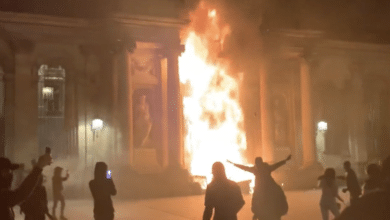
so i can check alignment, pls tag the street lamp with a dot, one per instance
(97, 125)
(322, 126)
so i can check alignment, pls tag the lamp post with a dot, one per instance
(322, 126)
(97, 124)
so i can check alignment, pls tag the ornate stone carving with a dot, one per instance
(24, 46)
(143, 70)
(143, 66)
(142, 123)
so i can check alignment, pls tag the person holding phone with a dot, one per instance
(102, 188)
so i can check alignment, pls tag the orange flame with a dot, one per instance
(213, 116)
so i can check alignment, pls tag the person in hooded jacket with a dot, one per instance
(102, 188)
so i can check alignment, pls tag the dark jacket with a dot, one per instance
(353, 184)
(372, 184)
(225, 197)
(35, 207)
(10, 198)
(373, 206)
(102, 189)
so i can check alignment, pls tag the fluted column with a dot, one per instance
(26, 106)
(175, 109)
(2, 113)
(267, 137)
(9, 113)
(164, 107)
(308, 133)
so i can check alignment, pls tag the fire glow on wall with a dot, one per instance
(212, 113)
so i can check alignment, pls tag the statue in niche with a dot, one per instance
(142, 123)
(280, 121)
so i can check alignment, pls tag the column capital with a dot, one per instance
(7, 76)
(110, 48)
(23, 46)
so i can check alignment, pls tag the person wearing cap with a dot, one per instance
(9, 198)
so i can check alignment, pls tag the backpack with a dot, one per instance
(281, 204)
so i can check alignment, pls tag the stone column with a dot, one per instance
(120, 68)
(357, 116)
(2, 113)
(9, 114)
(130, 88)
(26, 107)
(164, 107)
(115, 90)
(267, 137)
(308, 133)
(175, 110)
(83, 104)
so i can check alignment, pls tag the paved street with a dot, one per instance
(303, 206)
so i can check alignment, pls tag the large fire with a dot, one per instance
(213, 116)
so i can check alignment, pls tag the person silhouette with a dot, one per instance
(329, 194)
(57, 191)
(223, 195)
(9, 198)
(102, 188)
(35, 207)
(374, 181)
(268, 201)
(374, 205)
(352, 183)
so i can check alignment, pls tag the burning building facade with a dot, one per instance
(135, 84)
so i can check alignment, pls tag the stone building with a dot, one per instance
(320, 90)
(94, 82)
(323, 85)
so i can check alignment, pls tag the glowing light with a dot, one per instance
(213, 116)
(48, 92)
(322, 126)
(97, 124)
(212, 13)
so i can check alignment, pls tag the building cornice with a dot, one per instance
(355, 46)
(138, 20)
(292, 33)
(46, 20)
(53, 21)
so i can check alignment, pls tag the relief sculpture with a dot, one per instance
(142, 123)
(143, 70)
